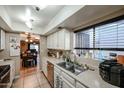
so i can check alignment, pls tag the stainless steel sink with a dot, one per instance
(75, 69)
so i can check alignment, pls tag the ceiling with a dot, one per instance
(18, 13)
(90, 13)
(47, 20)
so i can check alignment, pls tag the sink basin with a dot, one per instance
(75, 69)
(66, 65)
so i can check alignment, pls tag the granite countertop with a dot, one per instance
(89, 78)
(4, 62)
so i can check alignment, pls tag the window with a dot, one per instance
(84, 39)
(107, 36)
(101, 38)
(110, 35)
(34, 46)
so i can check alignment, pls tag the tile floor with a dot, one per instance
(31, 78)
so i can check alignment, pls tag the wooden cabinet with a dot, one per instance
(50, 73)
(2, 39)
(59, 40)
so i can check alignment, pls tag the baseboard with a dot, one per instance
(47, 79)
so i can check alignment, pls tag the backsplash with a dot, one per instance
(57, 53)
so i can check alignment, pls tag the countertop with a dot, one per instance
(89, 78)
(2, 62)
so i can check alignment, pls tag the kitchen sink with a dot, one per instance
(75, 69)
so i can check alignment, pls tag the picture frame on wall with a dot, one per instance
(13, 39)
(14, 46)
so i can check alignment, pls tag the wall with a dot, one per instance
(5, 53)
(43, 53)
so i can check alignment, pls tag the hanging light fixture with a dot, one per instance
(29, 39)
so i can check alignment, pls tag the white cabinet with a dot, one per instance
(59, 40)
(67, 40)
(54, 36)
(2, 39)
(66, 84)
(64, 80)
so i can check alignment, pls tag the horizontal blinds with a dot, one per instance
(110, 35)
(120, 34)
(84, 39)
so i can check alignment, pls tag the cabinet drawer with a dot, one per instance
(68, 78)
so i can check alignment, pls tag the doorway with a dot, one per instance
(30, 50)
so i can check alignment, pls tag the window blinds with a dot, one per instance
(84, 39)
(110, 35)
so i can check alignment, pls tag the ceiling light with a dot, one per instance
(31, 40)
(26, 40)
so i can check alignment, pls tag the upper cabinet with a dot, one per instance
(2, 39)
(59, 40)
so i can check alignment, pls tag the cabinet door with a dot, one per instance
(55, 40)
(56, 79)
(66, 84)
(2, 45)
(68, 78)
(61, 39)
(67, 40)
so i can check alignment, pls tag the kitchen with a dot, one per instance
(80, 46)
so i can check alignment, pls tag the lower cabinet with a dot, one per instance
(66, 84)
(63, 80)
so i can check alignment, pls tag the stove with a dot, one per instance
(4, 75)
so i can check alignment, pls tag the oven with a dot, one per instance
(4, 76)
